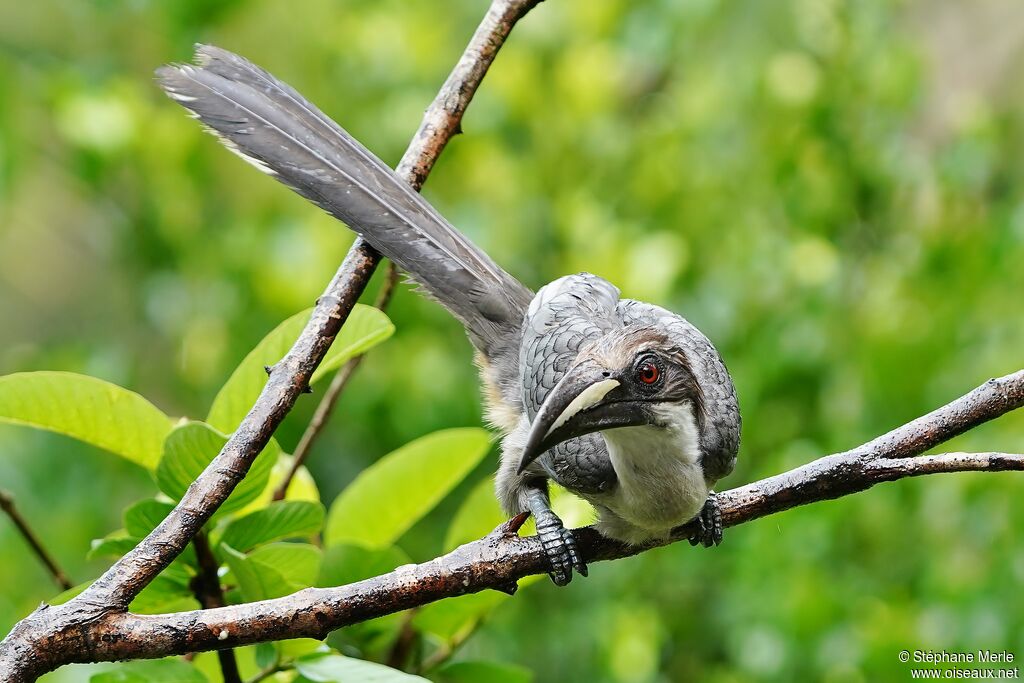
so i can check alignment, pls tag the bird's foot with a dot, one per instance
(709, 521)
(560, 547)
(558, 542)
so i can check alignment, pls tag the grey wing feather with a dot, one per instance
(270, 125)
(564, 316)
(581, 465)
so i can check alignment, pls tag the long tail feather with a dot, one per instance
(274, 128)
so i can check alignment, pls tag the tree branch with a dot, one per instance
(326, 406)
(56, 635)
(8, 506)
(491, 562)
(503, 557)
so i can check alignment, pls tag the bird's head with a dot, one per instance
(637, 376)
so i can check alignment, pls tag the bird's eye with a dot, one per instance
(648, 372)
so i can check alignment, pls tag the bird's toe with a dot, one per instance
(560, 547)
(575, 559)
(709, 522)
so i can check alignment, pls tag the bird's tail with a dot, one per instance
(274, 128)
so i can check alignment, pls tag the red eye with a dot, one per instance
(648, 373)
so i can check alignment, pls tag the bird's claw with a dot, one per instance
(560, 547)
(710, 523)
(558, 542)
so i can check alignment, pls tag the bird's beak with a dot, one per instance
(580, 404)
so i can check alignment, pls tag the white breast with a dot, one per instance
(661, 482)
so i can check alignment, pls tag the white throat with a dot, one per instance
(661, 481)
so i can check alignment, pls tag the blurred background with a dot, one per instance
(832, 190)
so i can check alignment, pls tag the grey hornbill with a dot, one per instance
(621, 402)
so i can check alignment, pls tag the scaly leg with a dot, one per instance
(710, 519)
(559, 543)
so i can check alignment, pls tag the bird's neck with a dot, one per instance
(661, 481)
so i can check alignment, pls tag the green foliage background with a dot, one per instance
(831, 190)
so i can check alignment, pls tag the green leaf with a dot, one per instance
(168, 592)
(113, 545)
(298, 647)
(365, 328)
(449, 619)
(571, 509)
(483, 672)
(331, 668)
(170, 670)
(143, 516)
(344, 564)
(301, 487)
(273, 571)
(253, 585)
(478, 516)
(284, 519)
(191, 446)
(72, 592)
(254, 582)
(266, 655)
(391, 495)
(298, 563)
(89, 409)
(283, 651)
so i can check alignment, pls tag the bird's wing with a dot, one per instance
(564, 316)
(274, 128)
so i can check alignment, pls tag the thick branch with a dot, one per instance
(67, 630)
(491, 562)
(8, 506)
(502, 557)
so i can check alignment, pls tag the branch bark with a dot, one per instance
(493, 563)
(502, 558)
(55, 635)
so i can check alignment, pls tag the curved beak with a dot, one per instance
(581, 403)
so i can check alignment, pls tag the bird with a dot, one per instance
(621, 402)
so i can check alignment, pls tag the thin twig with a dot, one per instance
(208, 591)
(443, 654)
(404, 641)
(8, 506)
(267, 673)
(333, 393)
